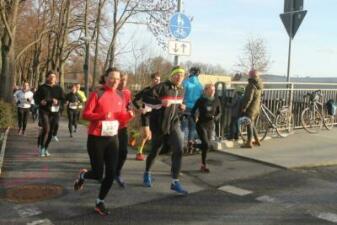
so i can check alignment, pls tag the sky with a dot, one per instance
(220, 29)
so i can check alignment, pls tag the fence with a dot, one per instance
(292, 94)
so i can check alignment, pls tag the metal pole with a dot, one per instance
(289, 60)
(86, 68)
(176, 58)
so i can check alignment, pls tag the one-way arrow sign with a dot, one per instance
(292, 21)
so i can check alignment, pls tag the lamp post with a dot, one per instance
(86, 65)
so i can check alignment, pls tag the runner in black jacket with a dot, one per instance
(165, 125)
(209, 109)
(149, 103)
(73, 101)
(49, 97)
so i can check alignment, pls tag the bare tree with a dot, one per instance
(254, 56)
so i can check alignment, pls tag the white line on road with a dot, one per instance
(41, 222)
(235, 190)
(331, 217)
(268, 199)
(25, 211)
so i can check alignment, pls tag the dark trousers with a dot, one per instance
(103, 154)
(22, 118)
(56, 116)
(234, 128)
(48, 122)
(123, 149)
(175, 140)
(205, 131)
(72, 119)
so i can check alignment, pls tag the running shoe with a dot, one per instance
(56, 138)
(101, 209)
(47, 153)
(120, 182)
(204, 169)
(78, 184)
(43, 152)
(147, 179)
(176, 186)
(140, 157)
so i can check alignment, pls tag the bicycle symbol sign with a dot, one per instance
(180, 26)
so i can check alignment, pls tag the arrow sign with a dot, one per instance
(292, 21)
(182, 48)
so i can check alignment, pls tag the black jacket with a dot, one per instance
(73, 98)
(209, 110)
(168, 116)
(46, 92)
(147, 97)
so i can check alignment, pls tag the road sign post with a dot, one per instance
(292, 18)
(180, 27)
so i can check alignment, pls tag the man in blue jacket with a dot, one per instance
(193, 90)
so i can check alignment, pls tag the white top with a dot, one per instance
(24, 99)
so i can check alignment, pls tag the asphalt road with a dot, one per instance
(237, 191)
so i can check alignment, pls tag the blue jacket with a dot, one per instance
(193, 91)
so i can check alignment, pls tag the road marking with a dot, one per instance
(41, 222)
(331, 217)
(268, 199)
(25, 211)
(235, 190)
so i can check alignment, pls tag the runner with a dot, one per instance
(149, 102)
(73, 101)
(24, 100)
(165, 125)
(49, 96)
(123, 129)
(209, 110)
(102, 110)
(81, 94)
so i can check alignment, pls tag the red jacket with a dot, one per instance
(125, 116)
(98, 107)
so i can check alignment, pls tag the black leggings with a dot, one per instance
(103, 152)
(22, 118)
(56, 116)
(72, 119)
(123, 149)
(48, 122)
(205, 134)
(175, 140)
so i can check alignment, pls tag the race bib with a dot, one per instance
(55, 108)
(26, 105)
(73, 105)
(80, 106)
(109, 128)
(209, 108)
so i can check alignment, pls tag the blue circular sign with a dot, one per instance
(180, 26)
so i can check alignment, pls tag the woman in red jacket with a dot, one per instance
(103, 110)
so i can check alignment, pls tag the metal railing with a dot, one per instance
(291, 92)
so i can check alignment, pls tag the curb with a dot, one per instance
(3, 147)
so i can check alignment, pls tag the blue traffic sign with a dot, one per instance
(180, 26)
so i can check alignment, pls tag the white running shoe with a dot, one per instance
(56, 138)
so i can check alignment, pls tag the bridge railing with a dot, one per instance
(292, 93)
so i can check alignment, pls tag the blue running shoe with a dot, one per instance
(147, 179)
(176, 186)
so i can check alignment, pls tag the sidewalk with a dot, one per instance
(298, 150)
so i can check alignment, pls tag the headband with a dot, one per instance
(178, 70)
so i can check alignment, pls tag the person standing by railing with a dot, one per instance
(251, 103)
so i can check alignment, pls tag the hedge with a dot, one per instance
(6, 115)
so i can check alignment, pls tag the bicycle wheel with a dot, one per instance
(262, 126)
(284, 124)
(329, 122)
(311, 120)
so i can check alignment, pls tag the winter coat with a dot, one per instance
(251, 101)
(193, 90)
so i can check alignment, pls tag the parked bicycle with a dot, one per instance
(315, 115)
(282, 122)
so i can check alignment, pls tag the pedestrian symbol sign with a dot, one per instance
(180, 26)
